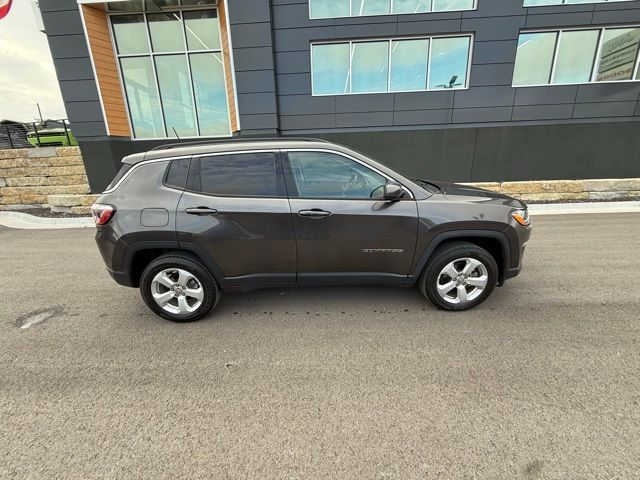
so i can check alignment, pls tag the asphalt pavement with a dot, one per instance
(541, 381)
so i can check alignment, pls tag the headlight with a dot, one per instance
(522, 217)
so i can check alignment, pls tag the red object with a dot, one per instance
(102, 213)
(5, 6)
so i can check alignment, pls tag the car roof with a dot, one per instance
(227, 145)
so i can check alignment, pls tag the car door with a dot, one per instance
(342, 224)
(235, 207)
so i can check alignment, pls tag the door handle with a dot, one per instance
(201, 211)
(314, 213)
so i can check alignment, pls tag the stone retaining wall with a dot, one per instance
(568, 190)
(29, 175)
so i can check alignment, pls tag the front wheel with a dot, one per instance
(459, 276)
(179, 288)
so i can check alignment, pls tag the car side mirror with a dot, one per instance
(393, 191)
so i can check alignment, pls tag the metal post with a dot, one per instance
(66, 132)
(6, 129)
(35, 128)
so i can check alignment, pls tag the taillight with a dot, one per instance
(102, 213)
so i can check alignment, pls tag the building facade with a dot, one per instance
(458, 90)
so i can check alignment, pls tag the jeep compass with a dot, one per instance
(185, 222)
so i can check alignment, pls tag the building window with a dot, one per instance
(541, 3)
(172, 68)
(577, 56)
(395, 65)
(360, 8)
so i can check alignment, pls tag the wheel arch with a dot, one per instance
(138, 255)
(495, 242)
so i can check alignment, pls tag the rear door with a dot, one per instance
(342, 224)
(235, 207)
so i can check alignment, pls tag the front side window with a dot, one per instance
(360, 8)
(240, 175)
(329, 175)
(577, 56)
(172, 68)
(397, 65)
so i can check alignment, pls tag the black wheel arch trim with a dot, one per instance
(509, 251)
(129, 252)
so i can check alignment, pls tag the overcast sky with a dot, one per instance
(27, 75)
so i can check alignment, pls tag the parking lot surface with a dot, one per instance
(541, 381)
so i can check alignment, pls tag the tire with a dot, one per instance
(474, 267)
(187, 286)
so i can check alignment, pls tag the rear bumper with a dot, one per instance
(122, 277)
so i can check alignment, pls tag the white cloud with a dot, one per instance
(27, 75)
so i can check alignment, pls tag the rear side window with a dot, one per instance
(177, 173)
(242, 175)
(121, 173)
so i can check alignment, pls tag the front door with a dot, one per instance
(342, 224)
(236, 208)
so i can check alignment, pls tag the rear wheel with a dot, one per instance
(459, 276)
(179, 288)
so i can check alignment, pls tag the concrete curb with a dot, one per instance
(584, 208)
(26, 221)
(31, 222)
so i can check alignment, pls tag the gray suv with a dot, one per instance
(185, 222)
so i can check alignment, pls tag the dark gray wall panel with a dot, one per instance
(57, 5)
(74, 69)
(609, 109)
(422, 101)
(305, 122)
(365, 103)
(252, 58)
(482, 115)
(90, 111)
(66, 22)
(79, 90)
(306, 105)
(294, 84)
(492, 52)
(252, 103)
(369, 119)
(251, 35)
(422, 117)
(68, 46)
(255, 81)
(542, 112)
(546, 95)
(293, 62)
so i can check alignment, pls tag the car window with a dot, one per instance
(177, 173)
(329, 175)
(244, 175)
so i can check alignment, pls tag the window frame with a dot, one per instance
(596, 63)
(152, 55)
(194, 174)
(292, 188)
(562, 3)
(431, 38)
(391, 2)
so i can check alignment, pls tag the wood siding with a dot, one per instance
(228, 69)
(108, 81)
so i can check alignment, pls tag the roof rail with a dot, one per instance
(169, 146)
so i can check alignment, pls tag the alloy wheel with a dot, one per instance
(462, 281)
(177, 291)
